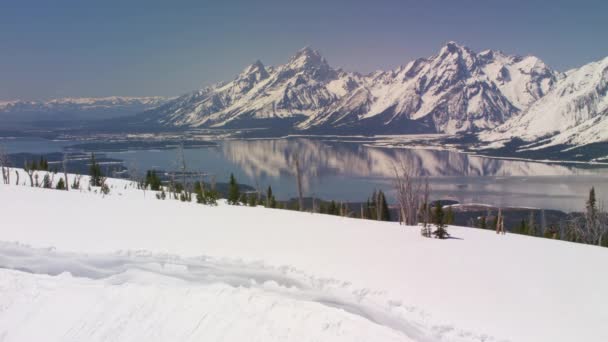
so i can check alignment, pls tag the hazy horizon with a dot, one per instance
(152, 48)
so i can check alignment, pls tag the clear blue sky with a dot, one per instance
(149, 47)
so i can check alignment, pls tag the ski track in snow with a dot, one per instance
(137, 274)
(53, 272)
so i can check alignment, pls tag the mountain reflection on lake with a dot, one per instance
(351, 171)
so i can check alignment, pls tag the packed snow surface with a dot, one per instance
(79, 265)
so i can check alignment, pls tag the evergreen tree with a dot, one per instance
(243, 198)
(333, 208)
(200, 195)
(368, 210)
(198, 188)
(273, 202)
(269, 196)
(531, 224)
(543, 223)
(43, 164)
(483, 224)
(233, 191)
(252, 200)
(523, 227)
(494, 223)
(385, 214)
(46, 182)
(591, 214)
(205, 196)
(374, 207)
(178, 187)
(60, 184)
(440, 231)
(96, 176)
(153, 181)
(449, 217)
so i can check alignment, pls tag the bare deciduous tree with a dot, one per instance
(5, 164)
(135, 176)
(76, 182)
(425, 212)
(543, 222)
(602, 225)
(65, 171)
(378, 201)
(30, 173)
(181, 163)
(500, 222)
(410, 194)
(299, 182)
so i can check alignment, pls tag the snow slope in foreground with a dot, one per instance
(125, 268)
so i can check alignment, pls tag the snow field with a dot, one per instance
(125, 267)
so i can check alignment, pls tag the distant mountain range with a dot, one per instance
(490, 96)
(76, 108)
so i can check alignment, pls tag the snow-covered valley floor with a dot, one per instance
(78, 266)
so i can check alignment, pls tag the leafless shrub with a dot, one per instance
(65, 171)
(76, 182)
(425, 210)
(4, 165)
(410, 194)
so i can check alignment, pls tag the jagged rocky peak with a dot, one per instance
(310, 62)
(257, 70)
(455, 90)
(307, 57)
(453, 51)
(453, 64)
(253, 74)
(451, 47)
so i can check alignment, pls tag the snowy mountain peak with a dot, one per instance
(253, 74)
(458, 60)
(308, 54)
(257, 66)
(309, 64)
(307, 58)
(451, 47)
(456, 90)
(573, 112)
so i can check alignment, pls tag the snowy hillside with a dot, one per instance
(574, 112)
(127, 267)
(77, 108)
(455, 91)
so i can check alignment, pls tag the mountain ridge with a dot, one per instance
(573, 113)
(454, 91)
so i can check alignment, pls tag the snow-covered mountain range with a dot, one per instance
(493, 95)
(574, 112)
(455, 91)
(77, 108)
